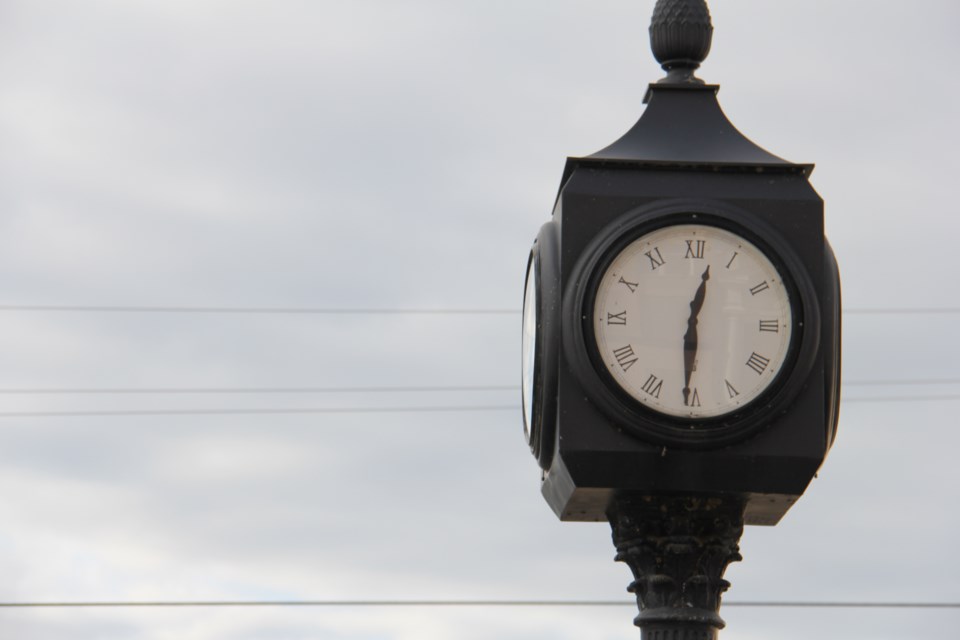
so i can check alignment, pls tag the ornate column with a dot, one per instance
(678, 549)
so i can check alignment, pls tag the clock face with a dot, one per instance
(540, 345)
(529, 347)
(692, 321)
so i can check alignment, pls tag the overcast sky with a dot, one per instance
(376, 154)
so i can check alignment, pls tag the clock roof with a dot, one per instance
(683, 126)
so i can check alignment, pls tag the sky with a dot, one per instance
(298, 154)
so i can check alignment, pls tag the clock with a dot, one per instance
(540, 344)
(691, 325)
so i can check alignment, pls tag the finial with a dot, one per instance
(680, 36)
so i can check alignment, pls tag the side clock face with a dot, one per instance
(692, 321)
(540, 345)
(531, 299)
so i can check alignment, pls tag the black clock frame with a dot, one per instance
(545, 259)
(629, 414)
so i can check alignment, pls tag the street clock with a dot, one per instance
(681, 328)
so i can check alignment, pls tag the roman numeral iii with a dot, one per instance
(772, 326)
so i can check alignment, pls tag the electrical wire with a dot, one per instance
(939, 398)
(251, 412)
(255, 390)
(892, 383)
(357, 410)
(380, 389)
(251, 310)
(459, 603)
(375, 311)
(881, 311)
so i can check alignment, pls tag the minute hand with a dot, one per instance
(690, 337)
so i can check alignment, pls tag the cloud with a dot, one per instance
(403, 155)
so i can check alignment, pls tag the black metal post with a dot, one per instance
(678, 547)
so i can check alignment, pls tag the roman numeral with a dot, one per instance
(695, 249)
(695, 399)
(734, 257)
(617, 318)
(772, 326)
(652, 386)
(630, 285)
(763, 286)
(758, 363)
(656, 260)
(625, 357)
(733, 393)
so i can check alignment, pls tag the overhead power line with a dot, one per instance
(374, 389)
(255, 390)
(460, 603)
(375, 311)
(937, 398)
(253, 310)
(355, 410)
(881, 311)
(250, 412)
(897, 383)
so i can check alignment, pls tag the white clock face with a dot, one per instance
(529, 347)
(692, 321)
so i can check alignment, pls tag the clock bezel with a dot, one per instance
(544, 260)
(646, 422)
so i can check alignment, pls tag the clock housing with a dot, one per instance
(606, 445)
(684, 157)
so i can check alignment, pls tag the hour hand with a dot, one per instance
(690, 337)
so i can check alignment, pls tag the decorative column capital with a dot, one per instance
(678, 548)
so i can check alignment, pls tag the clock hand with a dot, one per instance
(690, 337)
